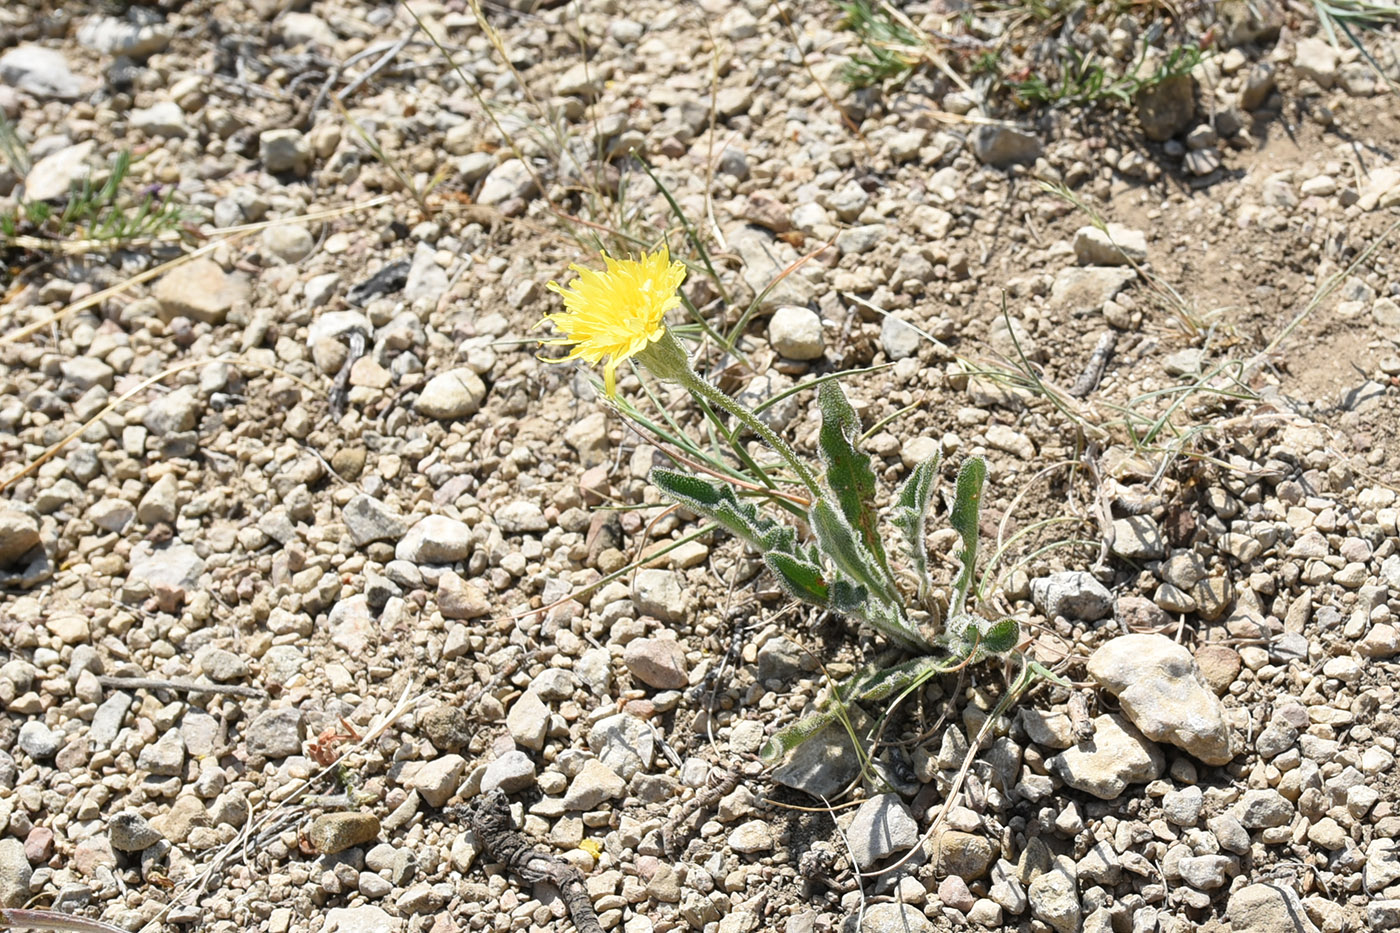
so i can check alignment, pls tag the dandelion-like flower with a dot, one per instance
(619, 313)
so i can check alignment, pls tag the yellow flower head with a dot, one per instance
(617, 313)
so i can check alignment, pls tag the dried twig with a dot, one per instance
(378, 65)
(1088, 380)
(182, 686)
(720, 783)
(340, 389)
(495, 830)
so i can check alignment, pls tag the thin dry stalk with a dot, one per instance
(53, 449)
(224, 235)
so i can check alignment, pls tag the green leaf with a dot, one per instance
(786, 739)
(848, 472)
(868, 686)
(800, 578)
(718, 503)
(1036, 669)
(839, 542)
(849, 599)
(910, 510)
(966, 511)
(1001, 636)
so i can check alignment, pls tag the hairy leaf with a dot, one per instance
(849, 599)
(801, 579)
(718, 503)
(1001, 636)
(966, 510)
(839, 542)
(848, 472)
(910, 509)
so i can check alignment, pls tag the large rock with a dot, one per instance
(1167, 107)
(1085, 289)
(796, 333)
(894, 918)
(39, 71)
(1073, 594)
(881, 827)
(454, 394)
(335, 832)
(1267, 908)
(129, 831)
(14, 873)
(1117, 755)
(624, 743)
(511, 179)
(1054, 897)
(1315, 58)
(659, 593)
(19, 534)
(56, 174)
(435, 539)
(1000, 146)
(657, 662)
(130, 37)
(276, 733)
(176, 567)
(367, 519)
(826, 762)
(1164, 694)
(1116, 246)
(201, 291)
(763, 260)
(284, 150)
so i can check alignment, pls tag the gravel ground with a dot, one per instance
(321, 554)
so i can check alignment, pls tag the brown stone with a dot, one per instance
(1219, 666)
(200, 291)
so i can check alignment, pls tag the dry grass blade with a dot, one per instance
(219, 237)
(12, 918)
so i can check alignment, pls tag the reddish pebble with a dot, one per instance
(38, 845)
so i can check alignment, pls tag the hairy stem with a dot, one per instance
(702, 388)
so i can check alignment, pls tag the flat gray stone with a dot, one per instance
(129, 831)
(39, 71)
(1138, 537)
(882, 826)
(511, 772)
(624, 743)
(1085, 289)
(825, 763)
(1001, 146)
(276, 733)
(368, 520)
(1267, 908)
(1073, 594)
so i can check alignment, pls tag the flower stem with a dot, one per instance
(695, 384)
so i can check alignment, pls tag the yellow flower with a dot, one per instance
(615, 314)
